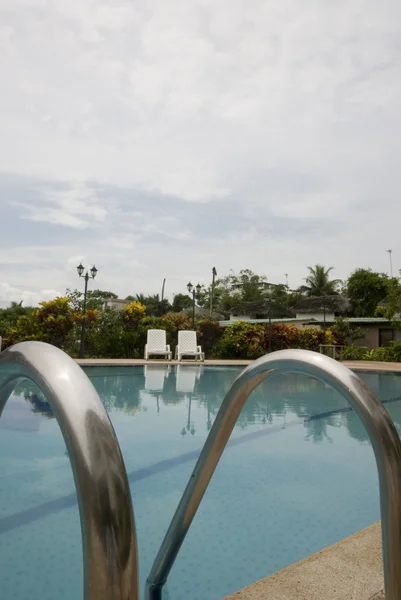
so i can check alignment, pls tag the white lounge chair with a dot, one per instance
(187, 346)
(156, 344)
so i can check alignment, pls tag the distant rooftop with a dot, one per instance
(352, 320)
(284, 320)
(306, 321)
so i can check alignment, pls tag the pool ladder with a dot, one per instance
(107, 522)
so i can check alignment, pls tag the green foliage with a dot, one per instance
(394, 351)
(94, 300)
(353, 352)
(366, 289)
(105, 339)
(181, 302)
(233, 290)
(311, 339)
(53, 322)
(242, 340)
(209, 333)
(250, 341)
(390, 353)
(318, 282)
(345, 332)
(132, 314)
(9, 316)
(394, 299)
(155, 307)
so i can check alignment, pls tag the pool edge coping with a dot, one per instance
(352, 569)
(360, 365)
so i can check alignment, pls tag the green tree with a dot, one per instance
(9, 316)
(318, 282)
(234, 289)
(53, 322)
(105, 339)
(155, 307)
(393, 308)
(366, 289)
(95, 298)
(180, 302)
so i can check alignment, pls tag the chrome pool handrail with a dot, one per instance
(377, 422)
(107, 520)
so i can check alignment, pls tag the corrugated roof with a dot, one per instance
(352, 320)
(252, 321)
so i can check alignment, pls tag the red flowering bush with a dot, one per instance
(250, 341)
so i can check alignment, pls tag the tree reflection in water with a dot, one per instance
(276, 400)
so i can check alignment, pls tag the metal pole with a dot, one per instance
(164, 283)
(101, 482)
(214, 272)
(193, 309)
(377, 422)
(83, 327)
(391, 262)
(270, 329)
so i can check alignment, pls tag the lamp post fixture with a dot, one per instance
(391, 262)
(93, 272)
(194, 291)
(214, 274)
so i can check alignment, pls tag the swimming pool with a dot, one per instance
(299, 474)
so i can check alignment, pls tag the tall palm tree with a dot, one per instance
(318, 282)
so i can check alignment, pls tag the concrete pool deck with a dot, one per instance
(362, 365)
(352, 569)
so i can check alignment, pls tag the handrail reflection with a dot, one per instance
(377, 422)
(107, 520)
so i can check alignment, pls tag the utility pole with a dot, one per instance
(391, 262)
(214, 272)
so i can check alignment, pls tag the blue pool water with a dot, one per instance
(298, 475)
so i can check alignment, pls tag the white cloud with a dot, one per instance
(281, 118)
(9, 293)
(76, 207)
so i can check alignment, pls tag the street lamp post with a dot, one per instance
(391, 262)
(93, 272)
(214, 273)
(193, 290)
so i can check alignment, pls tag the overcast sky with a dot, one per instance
(158, 138)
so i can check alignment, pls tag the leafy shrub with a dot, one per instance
(174, 322)
(380, 354)
(345, 332)
(132, 314)
(247, 340)
(104, 339)
(209, 332)
(53, 322)
(242, 340)
(394, 351)
(311, 339)
(353, 352)
(391, 353)
(282, 337)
